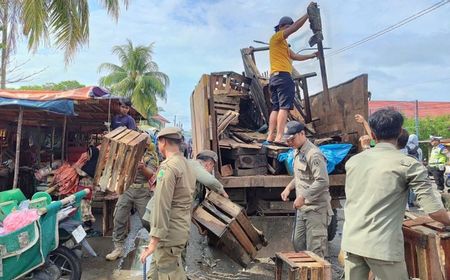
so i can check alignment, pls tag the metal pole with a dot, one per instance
(323, 71)
(18, 140)
(63, 141)
(417, 118)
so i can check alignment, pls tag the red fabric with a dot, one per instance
(46, 95)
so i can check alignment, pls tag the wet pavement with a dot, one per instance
(203, 262)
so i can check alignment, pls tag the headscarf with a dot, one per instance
(412, 147)
(91, 164)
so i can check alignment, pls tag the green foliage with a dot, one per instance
(137, 76)
(61, 86)
(65, 22)
(438, 126)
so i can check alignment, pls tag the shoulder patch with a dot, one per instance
(406, 162)
(316, 162)
(160, 174)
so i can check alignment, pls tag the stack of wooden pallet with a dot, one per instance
(245, 159)
(427, 248)
(229, 90)
(228, 228)
(121, 151)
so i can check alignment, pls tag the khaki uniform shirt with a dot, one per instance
(204, 179)
(150, 162)
(311, 177)
(171, 215)
(376, 187)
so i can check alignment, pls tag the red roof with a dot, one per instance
(83, 93)
(160, 118)
(408, 108)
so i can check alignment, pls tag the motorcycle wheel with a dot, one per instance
(67, 262)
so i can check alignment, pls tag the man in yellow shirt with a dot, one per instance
(281, 85)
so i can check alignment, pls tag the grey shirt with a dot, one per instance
(377, 184)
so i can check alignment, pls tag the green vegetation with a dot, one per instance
(137, 77)
(61, 86)
(439, 126)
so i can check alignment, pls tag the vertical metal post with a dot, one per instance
(63, 141)
(18, 140)
(417, 118)
(323, 71)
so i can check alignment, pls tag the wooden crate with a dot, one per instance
(230, 83)
(273, 152)
(228, 228)
(303, 265)
(427, 248)
(120, 153)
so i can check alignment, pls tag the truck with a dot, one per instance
(229, 113)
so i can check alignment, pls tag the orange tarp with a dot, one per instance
(47, 95)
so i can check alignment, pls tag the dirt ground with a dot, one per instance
(204, 262)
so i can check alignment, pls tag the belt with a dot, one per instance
(137, 186)
(278, 73)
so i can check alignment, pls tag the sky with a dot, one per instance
(196, 37)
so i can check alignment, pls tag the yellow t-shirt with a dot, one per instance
(279, 54)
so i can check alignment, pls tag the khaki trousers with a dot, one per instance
(166, 264)
(311, 231)
(357, 268)
(136, 196)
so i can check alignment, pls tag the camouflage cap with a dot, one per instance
(171, 133)
(208, 154)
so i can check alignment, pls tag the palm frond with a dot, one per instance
(34, 18)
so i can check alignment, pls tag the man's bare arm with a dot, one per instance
(441, 216)
(295, 26)
(300, 57)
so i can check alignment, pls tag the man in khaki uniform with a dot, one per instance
(135, 196)
(170, 218)
(312, 196)
(377, 185)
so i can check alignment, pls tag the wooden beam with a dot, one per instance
(63, 142)
(18, 140)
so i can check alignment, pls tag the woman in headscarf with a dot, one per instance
(413, 150)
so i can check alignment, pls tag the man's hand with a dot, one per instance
(285, 194)
(149, 250)
(141, 166)
(299, 202)
(359, 118)
(224, 194)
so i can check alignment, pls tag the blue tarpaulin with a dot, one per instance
(60, 106)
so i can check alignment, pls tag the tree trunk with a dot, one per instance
(5, 46)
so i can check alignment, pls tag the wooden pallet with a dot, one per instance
(303, 265)
(427, 248)
(276, 167)
(228, 228)
(120, 153)
(230, 83)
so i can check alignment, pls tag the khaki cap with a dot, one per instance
(209, 154)
(171, 133)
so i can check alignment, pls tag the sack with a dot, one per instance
(334, 153)
(288, 159)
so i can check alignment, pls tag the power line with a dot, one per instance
(392, 27)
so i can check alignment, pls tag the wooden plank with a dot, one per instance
(101, 160)
(210, 222)
(346, 100)
(249, 229)
(114, 132)
(278, 268)
(200, 117)
(229, 244)
(271, 181)
(214, 211)
(224, 204)
(250, 172)
(242, 238)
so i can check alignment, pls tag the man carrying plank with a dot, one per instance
(135, 196)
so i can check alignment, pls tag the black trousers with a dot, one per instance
(438, 177)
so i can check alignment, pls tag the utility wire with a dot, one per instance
(392, 27)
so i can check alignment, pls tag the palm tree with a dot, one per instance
(65, 21)
(137, 77)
